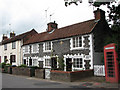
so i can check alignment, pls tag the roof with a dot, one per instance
(18, 37)
(68, 31)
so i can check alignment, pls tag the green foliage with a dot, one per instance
(22, 65)
(61, 63)
(2, 65)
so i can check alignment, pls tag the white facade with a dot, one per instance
(17, 51)
(0, 53)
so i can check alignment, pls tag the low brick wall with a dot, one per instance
(40, 73)
(10, 70)
(23, 71)
(70, 76)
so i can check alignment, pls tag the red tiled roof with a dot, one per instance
(68, 31)
(18, 37)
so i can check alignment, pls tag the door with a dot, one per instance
(30, 62)
(40, 64)
(68, 64)
(53, 63)
(47, 73)
(11, 59)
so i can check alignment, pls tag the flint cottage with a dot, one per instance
(79, 45)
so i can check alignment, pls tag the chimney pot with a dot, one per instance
(4, 37)
(12, 34)
(99, 14)
(51, 26)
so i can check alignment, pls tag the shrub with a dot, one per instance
(23, 65)
(61, 63)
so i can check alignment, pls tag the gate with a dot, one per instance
(99, 70)
(111, 64)
(47, 73)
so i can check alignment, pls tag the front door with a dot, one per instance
(11, 59)
(68, 64)
(30, 62)
(53, 63)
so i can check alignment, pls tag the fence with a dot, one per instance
(99, 70)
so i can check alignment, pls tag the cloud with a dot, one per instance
(24, 15)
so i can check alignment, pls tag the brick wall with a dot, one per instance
(22, 71)
(70, 76)
(40, 73)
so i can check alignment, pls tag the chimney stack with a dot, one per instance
(4, 37)
(12, 34)
(52, 26)
(99, 14)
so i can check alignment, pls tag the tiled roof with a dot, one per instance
(18, 37)
(68, 31)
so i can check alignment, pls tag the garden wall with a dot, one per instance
(23, 71)
(70, 76)
(40, 73)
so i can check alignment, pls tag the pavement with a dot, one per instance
(15, 81)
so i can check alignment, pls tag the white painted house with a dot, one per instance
(11, 47)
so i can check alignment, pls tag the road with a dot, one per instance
(13, 81)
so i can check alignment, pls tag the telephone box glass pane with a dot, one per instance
(110, 64)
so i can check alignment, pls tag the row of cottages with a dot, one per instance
(80, 45)
(11, 48)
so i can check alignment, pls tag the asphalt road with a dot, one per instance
(13, 81)
(31, 83)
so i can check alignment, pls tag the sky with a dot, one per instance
(23, 15)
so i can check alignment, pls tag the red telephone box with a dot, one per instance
(111, 63)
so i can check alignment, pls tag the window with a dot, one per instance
(13, 58)
(48, 46)
(77, 63)
(34, 48)
(47, 62)
(13, 45)
(77, 42)
(5, 47)
(26, 49)
(25, 61)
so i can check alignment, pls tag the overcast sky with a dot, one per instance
(23, 15)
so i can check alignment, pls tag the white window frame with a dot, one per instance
(27, 46)
(32, 48)
(5, 46)
(46, 57)
(13, 45)
(44, 48)
(72, 57)
(71, 43)
(76, 63)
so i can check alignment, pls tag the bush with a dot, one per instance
(61, 63)
(23, 65)
(2, 65)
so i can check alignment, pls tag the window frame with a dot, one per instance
(35, 46)
(13, 61)
(47, 62)
(13, 45)
(46, 45)
(78, 65)
(5, 46)
(26, 47)
(76, 44)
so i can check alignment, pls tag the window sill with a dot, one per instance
(77, 48)
(47, 51)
